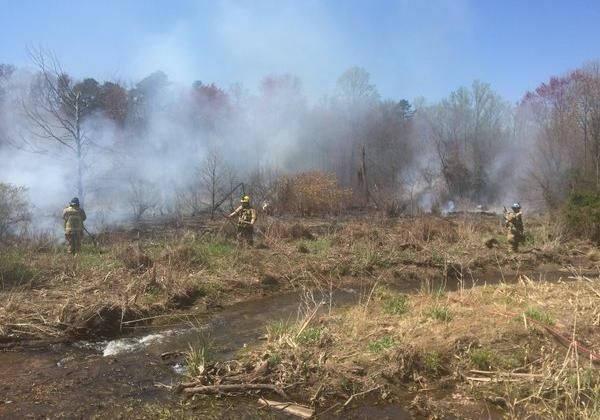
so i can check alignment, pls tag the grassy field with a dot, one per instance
(443, 323)
(133, 278)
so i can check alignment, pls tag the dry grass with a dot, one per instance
(492, 349)
(134, 258)
(54, 294)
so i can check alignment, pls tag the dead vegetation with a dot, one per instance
(134, 258)
(523, 349)
(105, 289)
(311, 193)
(440, 313)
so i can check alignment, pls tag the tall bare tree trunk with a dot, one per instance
(78, 141)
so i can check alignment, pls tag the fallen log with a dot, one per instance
(221, 389)
(289, 408)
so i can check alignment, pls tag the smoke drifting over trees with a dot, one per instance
(157, 147)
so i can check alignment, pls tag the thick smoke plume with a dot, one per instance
(160, 147)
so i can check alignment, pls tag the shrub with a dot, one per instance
(481, 358)
(196, 359)
(311, 193)
(14, 209)
(582, 215)
(13, 270)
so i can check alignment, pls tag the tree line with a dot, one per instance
(157, 146)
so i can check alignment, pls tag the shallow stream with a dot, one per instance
(117, 377)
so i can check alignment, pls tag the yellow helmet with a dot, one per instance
(245, 199)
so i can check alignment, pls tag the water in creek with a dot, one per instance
(117, 378)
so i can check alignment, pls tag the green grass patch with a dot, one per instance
(482, 358)
(347, 385)
(274, 360)
(528, 239)
(153, 291)
(588, 379)
(393, 304)
(382, 344)
(217, 248)
(539, 315)
(432, 363)
(318, 246)
(396, 305)
(439, 313)
(14, 270)
(436, 258)
(280, 329)
(311, 335)
(512, 361)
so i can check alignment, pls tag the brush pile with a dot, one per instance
(231, 378)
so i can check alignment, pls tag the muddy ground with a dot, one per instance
(431, 303)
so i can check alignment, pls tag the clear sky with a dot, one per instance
(411, 48)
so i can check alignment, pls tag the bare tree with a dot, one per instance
(212, 177)
(469, 130)
(190, 197)
(57, 109)
(143, 196)
(14, 209)
(231, 181)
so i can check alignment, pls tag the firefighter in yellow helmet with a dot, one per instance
(246, 219)
(73, 217)
(513, 221)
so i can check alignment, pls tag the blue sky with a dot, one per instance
(411, 48)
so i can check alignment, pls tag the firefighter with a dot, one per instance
(246, 219)
(514, 225)
(73, 217)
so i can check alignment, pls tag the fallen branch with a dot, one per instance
(289, 408)
(220, 389)
(359, 394)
